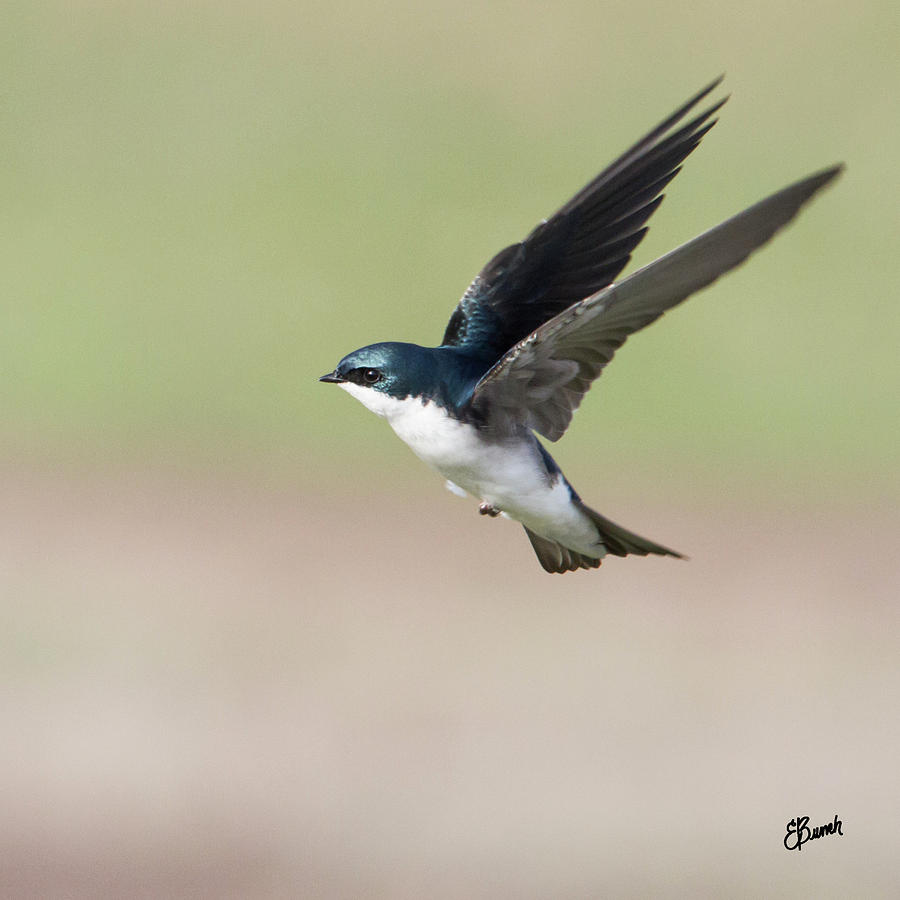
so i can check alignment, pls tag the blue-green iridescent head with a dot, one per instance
(396, 369)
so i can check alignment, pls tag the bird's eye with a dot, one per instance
(370, 376)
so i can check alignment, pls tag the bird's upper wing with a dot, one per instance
(540, 381)
(581, 248)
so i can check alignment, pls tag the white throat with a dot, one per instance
(426, 427)
(379, 403)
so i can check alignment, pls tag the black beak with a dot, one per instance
(332, 378)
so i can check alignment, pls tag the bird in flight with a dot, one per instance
(539, 324)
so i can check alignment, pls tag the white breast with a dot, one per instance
(508, 474)
(434, 436)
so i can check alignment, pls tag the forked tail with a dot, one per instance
(621, 542)
(554, 557)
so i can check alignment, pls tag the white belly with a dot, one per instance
(510, 475)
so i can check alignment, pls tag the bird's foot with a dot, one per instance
(487, 510)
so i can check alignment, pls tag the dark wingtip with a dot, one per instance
(814, 183)
(715, 107)
(831, 172)
(708, 89)
(689, 104)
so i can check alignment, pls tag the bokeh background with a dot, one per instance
(251, 647)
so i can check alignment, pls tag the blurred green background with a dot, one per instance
(250, 647)
(206, 205)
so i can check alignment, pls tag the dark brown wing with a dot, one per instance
(580, 249)
(540, 381)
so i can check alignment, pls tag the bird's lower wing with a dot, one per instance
(541, 380)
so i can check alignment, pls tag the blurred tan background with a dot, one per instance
(251, 647)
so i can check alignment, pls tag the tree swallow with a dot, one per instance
(538, 325)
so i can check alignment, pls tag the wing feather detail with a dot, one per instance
(582, 247)
(540, 382)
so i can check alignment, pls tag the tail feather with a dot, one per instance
(621, 542)
(556, 558)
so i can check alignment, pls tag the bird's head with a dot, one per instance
(382, 375)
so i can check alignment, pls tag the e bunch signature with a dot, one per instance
(799, 832)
